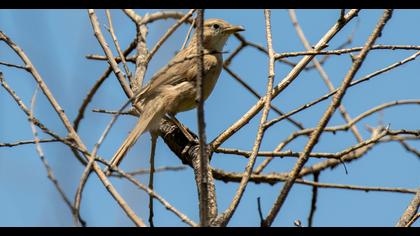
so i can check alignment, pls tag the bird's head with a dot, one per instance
(216, 32)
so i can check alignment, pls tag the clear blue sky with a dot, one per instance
(57, 42)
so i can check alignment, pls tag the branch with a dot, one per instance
(203, 191)
(366, 78)
(41, 155)
(111, 59)
(410, 212)
(346, 50)
(284, 83)
(149, 191)
(273, 178)
(52, 140)
(325, 119)
(96, 86)
(322, 73)
(314, 199)
(72, 133)
(224, 218)
(117, 45)
(168, 33)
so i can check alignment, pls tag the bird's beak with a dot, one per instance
(234, 28)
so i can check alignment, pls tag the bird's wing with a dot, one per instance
(180, 68)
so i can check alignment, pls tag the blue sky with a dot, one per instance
(57, 42)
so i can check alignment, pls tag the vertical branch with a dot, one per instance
(41, 155)
(88, 168)
(314, 199)
(325, 119)
(141, 66)
(260, 214)
(225, 217)
(111, 60)
(204, 160)
(188, 34)
(136, 83)
(154, 137)
(117, 45)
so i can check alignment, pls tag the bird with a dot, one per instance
(173, 88)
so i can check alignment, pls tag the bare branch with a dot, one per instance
(204, 203)
(117, 45)
(41, 155)
(314, 199)
(18, 143)
(114, 65)
(152, 193)
(284, 83)
(322, 72)
(225, 217)
(325, 119)
(274, 178)
(411, 211)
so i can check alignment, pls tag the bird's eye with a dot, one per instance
(216, 26)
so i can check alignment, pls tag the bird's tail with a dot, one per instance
(152, 113)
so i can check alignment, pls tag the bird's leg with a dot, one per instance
(183, 129)
(154, 136)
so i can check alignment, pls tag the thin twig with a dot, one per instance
(18, 143)
(354, 155)
(357, 119)
(117, 45)
(13, 65)
(150, 18)
(188, 34)
(112, 112)
(253, 92)
(322, 72)
(413, 220)
(326, 96)
(260, 214)
(149, 191)
(337, 155)
(347, 50)
(41, 155)
(157, 170)
(288, 153)
(88, 168)
(28, 113)
(95, 88)
(167, 34)
(409, 148)
(313, 200)
(274, 178)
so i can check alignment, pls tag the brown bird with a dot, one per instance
(173, 88)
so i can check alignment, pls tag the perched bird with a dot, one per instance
(173, 88)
